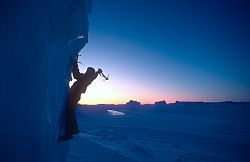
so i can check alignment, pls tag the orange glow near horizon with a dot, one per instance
(108, 92)
(119, 91)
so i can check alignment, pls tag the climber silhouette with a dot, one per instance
(79, 86)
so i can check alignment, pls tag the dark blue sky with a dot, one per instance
(173, 50)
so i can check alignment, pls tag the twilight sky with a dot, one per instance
(169, 50)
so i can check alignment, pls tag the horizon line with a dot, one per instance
(226, 101)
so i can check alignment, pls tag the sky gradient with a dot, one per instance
(168, 50)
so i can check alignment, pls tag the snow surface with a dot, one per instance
(38, 42)
(200, 132)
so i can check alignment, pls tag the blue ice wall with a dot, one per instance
(38, 40)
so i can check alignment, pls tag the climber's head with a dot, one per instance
(90, 71)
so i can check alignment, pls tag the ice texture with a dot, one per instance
(39, 39)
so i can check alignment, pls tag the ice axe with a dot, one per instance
(105, 78)
(77, 59)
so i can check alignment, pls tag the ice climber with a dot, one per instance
(79, 87)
